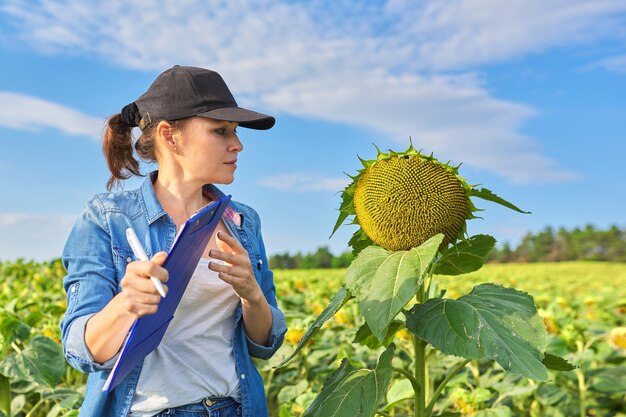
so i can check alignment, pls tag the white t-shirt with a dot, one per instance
(195, 358)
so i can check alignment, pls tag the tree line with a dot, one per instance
(321, 258)
(578, 244)
(548, 245)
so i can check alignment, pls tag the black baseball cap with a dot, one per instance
(181, 92)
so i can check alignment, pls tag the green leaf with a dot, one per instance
(488, 195)
(551, 394)
(42, 361)
(65, 397)
(400, 390)
(609, 380)
(353, 392)
(336, 303)
(347, 207)
(500, 411)
(557, 363)
(17, 404)
(466, 256)
(365, 337)
(491, 321)
(13, 329)
(289, 393)
(383, 282)
(23, 387)
(359, 241)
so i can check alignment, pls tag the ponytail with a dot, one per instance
(118, 142)
(118, 151)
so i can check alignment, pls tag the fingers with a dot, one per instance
(226, 269)
(227, 243)
(150, 268)
(228, 257)
(138, 291)
(159, 258)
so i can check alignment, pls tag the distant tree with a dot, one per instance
(321, 258)
(586, 243)
(343, 260)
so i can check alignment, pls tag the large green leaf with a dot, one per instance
(491, 321)
(350, 392)
(335, 304)
(466, 256)
(489, 195)
(383, 281)
(41, 361)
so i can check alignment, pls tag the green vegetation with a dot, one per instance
(321, 258)
(582, 303)
(578, 244)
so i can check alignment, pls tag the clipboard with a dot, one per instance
(182, 259)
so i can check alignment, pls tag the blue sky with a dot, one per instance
(528, 94)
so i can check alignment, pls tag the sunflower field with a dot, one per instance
(583, 306)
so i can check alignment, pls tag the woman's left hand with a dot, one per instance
(237, 270)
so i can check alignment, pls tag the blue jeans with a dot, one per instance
(209, 407)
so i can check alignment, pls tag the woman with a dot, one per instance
(228, 314)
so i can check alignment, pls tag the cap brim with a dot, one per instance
(245, 118)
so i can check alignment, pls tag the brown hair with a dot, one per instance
(117, 147)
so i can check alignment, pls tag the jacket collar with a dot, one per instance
(153, 207)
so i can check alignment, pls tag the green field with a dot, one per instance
(583, 305)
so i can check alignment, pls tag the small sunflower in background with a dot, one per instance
(617, 337)
(402, 199)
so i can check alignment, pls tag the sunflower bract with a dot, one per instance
(402, 200)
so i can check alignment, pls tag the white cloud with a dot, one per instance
(301, 182)
(21, 111)
(453, 34)
(33, 236)
(383, 66)
(614, 64)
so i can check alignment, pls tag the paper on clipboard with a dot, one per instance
(147, 331)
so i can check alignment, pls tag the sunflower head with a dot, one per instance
(400, 200)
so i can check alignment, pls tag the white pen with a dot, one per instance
(140, 254)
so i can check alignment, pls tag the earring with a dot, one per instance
(175, 148)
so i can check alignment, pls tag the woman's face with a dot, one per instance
(207, 150)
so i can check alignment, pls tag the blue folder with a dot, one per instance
(147, 331)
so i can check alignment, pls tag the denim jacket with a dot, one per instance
(95, 257)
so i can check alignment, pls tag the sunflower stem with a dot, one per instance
(420, 363)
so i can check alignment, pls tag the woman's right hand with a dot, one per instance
(139, 296)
